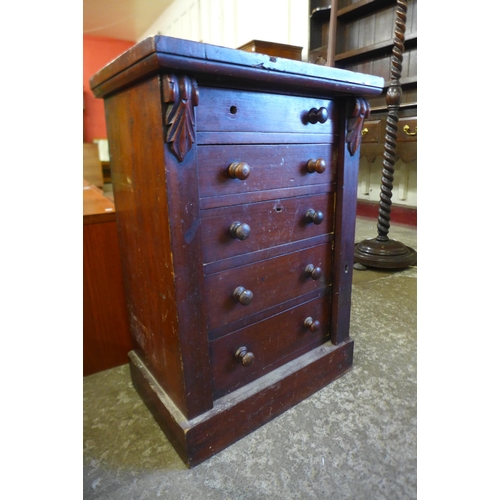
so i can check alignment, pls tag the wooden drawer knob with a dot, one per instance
(314, 272)
(239, 170)
(314, 217)
(318, 166)
(245, 357)
(239, 230)
(312, 325)
(242, 295)
(317, 115)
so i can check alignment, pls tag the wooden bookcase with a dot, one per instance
(358, 35)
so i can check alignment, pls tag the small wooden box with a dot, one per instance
(273, 49)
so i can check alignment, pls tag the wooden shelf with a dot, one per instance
(378, 49)
(321, 14)
(404, 105)
(362, 8)
(364, 42)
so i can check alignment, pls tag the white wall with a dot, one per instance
(232, 23)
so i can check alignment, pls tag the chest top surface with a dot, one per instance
(221, 66)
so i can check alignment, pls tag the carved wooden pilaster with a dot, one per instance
(355, 125)
(181, 93)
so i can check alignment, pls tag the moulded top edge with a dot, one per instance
(198, 52)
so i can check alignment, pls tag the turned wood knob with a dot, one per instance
(314, 217)
(317, 115)
(242, 295)
(245, 357)
(312, 325)
(239, 230)
(313, 272)
(239, 170)
(318, 166)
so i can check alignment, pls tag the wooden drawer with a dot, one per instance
(407, 130)
(372, 131)
(271, 282)
(226, 111)
(270, 167)
(273, 342)
(271, 223)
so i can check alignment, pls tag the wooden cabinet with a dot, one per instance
(406, 139)
(235, 189)
(106, 334)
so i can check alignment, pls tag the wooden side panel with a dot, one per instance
(137, 151)
(345, 224)
(186, 238)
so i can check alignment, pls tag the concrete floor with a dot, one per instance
(354, 439)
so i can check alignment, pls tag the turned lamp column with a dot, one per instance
(382, 252)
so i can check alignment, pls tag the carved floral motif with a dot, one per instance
(182, 92)
(355, 125)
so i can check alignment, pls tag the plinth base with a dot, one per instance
(244, 410)
(390, 254)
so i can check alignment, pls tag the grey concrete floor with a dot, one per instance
(354, 439)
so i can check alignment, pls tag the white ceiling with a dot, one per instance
(122, 19)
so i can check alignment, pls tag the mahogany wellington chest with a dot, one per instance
(235, 180)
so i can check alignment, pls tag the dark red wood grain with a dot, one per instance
(345, 223)
(157, 250)
(106, 334)
(273, 341)
(270, 282)
(263, 400)
(216, 265)
(272, 223)
(276, 166)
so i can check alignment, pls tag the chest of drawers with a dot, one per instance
(235, 181)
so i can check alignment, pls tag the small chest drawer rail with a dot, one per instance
(242, 291)
(240, 169)
(253, 351)
(260, 113)
(240, 229)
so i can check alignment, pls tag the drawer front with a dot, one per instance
(264, 224)
(246, 290)
(272, 342)
(407, 130)
(267, 167)
(221, 110)
(372, 132)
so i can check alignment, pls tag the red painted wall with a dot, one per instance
(97, 52)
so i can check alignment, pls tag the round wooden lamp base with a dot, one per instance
(389, 254)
